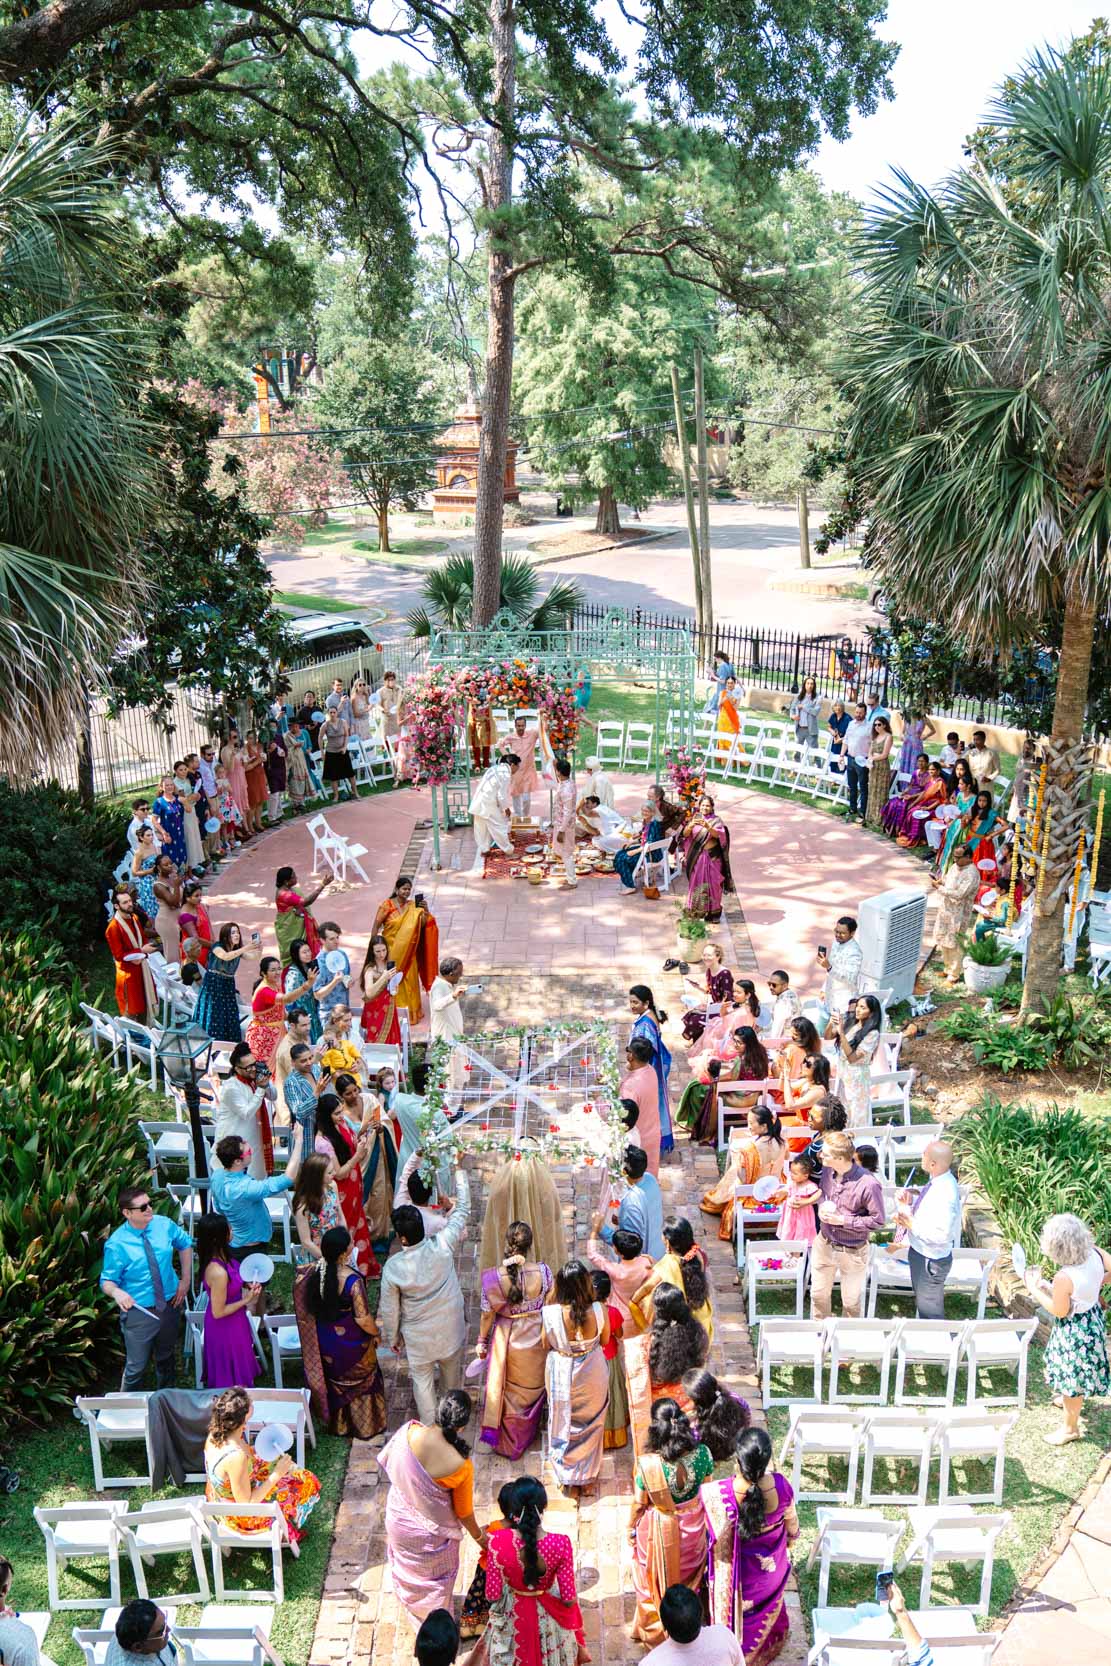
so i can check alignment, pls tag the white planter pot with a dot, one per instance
(982, 978)
(689, 948)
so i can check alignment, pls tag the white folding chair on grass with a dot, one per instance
(104, 1032)
(791, 1342)
(854, 1539)
(227, 1636)
(93, 1641)
(780, 1265)
(925, 1343)
(827, 1432)
(907, 1145)
(285, 1340)
(868, 1342)
(80, 1532)
(970, 1434)
(953, 1533)
(638, 745)
(164, 1529)
(998, 1344)
(290, 1406)
(224, 1536)
(609, 745)
(895, 1433)
(115, 1419)
(971, 1273)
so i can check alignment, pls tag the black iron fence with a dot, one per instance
(843, 667)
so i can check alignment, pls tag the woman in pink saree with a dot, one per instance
(577, 1376)
(530, 1624)
(706, 860)
(511, 1340)
(641, 1086)
(430, 1503)
(667, 1521)
(751, 1522)
(902, 817)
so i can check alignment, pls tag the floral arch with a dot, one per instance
(437, 700)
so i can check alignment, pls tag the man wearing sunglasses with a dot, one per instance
(138, 1274)
(142, 1637)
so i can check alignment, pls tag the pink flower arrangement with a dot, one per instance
(687, 778)
(437, 703)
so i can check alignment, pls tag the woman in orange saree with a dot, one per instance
(413, 942)
(763, 1150)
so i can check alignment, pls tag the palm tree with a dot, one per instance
(448, 593)
(74, 456)
(981, 369)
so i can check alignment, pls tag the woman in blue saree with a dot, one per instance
(646, 1023)
(963, 799)
(625, 861)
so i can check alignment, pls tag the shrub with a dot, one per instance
(1033, 1164)
(68, 1141)
(986, 950)
(1062, 1034)
(56, 856)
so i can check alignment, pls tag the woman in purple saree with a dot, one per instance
(511, 1340)
(430, 1502)
(339, 1341)
(706, 860)
(925, 790)
(750, 1524)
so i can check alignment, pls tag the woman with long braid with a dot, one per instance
(511, 1340)
(535, 1619)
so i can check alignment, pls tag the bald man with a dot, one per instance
(933, 1221)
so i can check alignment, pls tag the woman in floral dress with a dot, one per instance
(857, 1035)
(315, 1208)
(236, 1475)
(1076, 1365)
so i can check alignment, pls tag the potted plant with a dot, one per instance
(986, 963)
(692, 930)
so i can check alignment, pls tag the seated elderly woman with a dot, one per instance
(625, 860)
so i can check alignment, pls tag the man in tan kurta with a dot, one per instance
(958, 899)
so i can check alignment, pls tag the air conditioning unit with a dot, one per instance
(890, 935)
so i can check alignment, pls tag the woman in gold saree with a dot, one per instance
(667, 1521)
(510, 1339)
(413, 942)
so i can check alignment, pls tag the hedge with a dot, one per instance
(69, 1139)
(56, 859)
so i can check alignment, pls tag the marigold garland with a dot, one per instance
(436, 703)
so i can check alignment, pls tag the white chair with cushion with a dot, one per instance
(80, 1532)
(224, 1536)
(289, 1406)
(855, 1539)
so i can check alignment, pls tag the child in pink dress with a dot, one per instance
(798, 1220)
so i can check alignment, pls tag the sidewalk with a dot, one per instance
(1064, 1611)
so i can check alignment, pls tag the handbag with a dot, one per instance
(652, 893)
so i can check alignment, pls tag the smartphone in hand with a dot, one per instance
(884, 1582)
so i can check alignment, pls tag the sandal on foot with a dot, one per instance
(1062, 1437)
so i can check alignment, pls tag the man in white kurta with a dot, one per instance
(240, 1100)
(488, 807)
(524, 780)
(445, 1023)
(421, 1303)
(597, 784)
(843, 965)
(563, 825)
(608, 831)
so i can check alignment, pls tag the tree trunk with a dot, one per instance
(703, 645)
(608, 519)
(1067, 776)
(804, 527)
(383, 526)
(703, 499)
(494, 438)
(86, 782)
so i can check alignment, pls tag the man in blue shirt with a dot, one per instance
(723, 670)
(138, 1274)
(332, 979)
(642, 1208)
(241, 1198)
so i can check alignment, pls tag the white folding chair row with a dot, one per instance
(978, 1344)
(970, 1273)
(226, 1636)
(939, 1534)
(335, 851)
(889, 1433)
(371, 762)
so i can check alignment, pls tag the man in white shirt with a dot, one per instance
(689, 1641)
(488, 808)
(857, 749)
(785, 1004)
(563, 824)
(140, 818)
(842, 964)
(982, 760)
(933, 1221)
(421, 1304)
(597, 784)
(445, 1022)
(412, 1188)
(241, 1096)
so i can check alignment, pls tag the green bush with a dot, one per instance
(1062, 1034)
(57, 856)
(986, 950)
(1032, 1164)
(68, 1141)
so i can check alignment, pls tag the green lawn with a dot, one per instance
(309, 600)
(360, 538)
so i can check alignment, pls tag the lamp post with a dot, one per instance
(183, 1052)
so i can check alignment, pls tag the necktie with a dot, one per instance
(155, 1275)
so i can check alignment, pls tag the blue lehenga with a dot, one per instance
(217, 1010)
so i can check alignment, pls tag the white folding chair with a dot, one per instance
(104, 1032)
(609, 743)
(93, 1641)
(80, 1532)
(829, 1432)
(227, 1644)
(890, 1091)
(223, 1537)
(974, 1434)
(140, 1046)
(923, 1343)
(290, 1406)
(164, 1529)
(862, 1342)
(281, 1214)
(285, 1340)
(971, 1273)
(889, 1273)
(638, 745)
(992, 1344)
(654, 865)
(895, 1433)
(953, 1533)
(852, 1538)
(908, 1144)
(790, 1343)
(115, 1419)
(780, 1265)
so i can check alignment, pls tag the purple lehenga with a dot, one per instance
(515, 1391)
(746, 1595)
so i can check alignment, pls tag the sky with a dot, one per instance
(953, 53)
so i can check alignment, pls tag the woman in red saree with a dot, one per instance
(346, 1156)
(413, 941)
(535, 1619)
(294, 919)
(379, 1022)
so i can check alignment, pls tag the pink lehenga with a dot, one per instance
(531, 1626)
(515, 1389)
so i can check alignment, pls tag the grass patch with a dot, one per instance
(309, 600)
(1040, 1484)
(399, 546)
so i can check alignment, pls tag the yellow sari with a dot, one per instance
(412, 940)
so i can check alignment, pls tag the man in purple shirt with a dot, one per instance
(850, 1211)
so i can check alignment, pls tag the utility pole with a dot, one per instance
(692, 526)
(804, 526)
(703, 503)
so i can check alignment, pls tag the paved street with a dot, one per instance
(751, 547)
